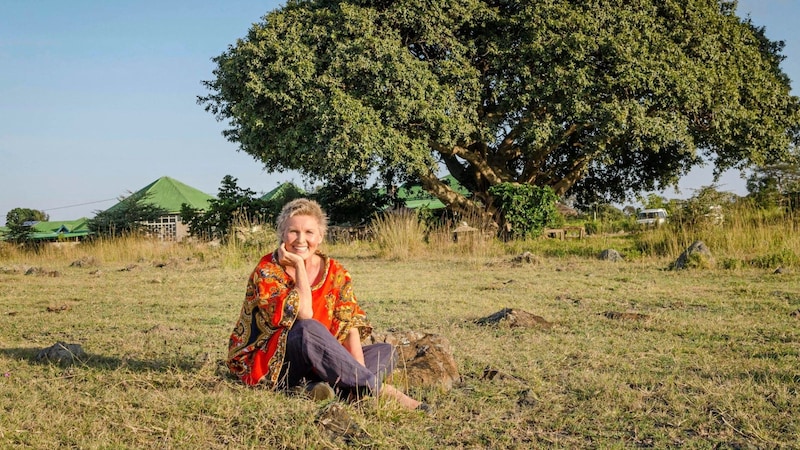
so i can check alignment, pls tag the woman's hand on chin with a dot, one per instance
(287, 258)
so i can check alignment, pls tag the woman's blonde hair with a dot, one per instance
(301, 207)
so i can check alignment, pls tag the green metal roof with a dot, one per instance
(169, 193)
(65, 228)
(417, 197)
(434, 203)
(56, 229)
(285, 189)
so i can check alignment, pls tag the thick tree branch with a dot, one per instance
(455, 168)
(446, 194)
(574, 174)
(478, 161)
(508, 148)
(535, 163)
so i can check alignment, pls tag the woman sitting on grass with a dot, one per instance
(300, 324)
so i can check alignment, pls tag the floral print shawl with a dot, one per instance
(258, 343)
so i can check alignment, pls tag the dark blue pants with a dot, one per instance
(314, 354)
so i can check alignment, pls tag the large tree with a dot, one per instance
(600, 99)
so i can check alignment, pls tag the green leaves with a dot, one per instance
(232, 205)
(600, 99)
(525, 209)
(18, 216)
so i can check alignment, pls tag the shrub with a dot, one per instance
(231, 201)
(732, 264)
(785, 258)
(592, 227)
(525, 209)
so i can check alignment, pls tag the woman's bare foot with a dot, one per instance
(392, 392)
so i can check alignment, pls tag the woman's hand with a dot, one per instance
(287, 258)
(295, 267)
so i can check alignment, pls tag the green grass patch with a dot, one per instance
(713, 364)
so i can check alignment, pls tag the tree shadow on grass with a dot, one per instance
(177, 362)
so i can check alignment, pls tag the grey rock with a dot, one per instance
(61, 353)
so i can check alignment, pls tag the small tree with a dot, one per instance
(20, 234)
(20, 229)
(19, 216)
(704, 208)
(629, 211)
(654, 201)
(525, 210)
(232, 202)
(775, 184)
(126, 217)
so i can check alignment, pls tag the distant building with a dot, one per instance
(170, 194)
(64, 230)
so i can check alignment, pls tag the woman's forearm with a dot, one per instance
(303, 287)
(353, 345)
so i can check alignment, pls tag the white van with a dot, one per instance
(652, 217)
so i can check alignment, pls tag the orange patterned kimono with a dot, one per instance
(258, 343)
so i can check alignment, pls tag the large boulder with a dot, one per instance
(424, 360)
(697, 256)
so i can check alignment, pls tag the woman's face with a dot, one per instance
(302, 236)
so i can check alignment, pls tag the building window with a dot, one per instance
(165, 227)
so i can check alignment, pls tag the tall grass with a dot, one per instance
(748, 236)
(399, 235)
(100, 251)
(248, 239)
(477, 242)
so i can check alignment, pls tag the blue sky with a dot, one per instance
(98, 99)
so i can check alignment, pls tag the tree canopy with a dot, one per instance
(19, 221)
(600, 99)
(19, 216)
(776, 184)
(348, 201)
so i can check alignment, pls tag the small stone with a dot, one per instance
(610, 255)
(61, 353)
(335, 419)
(615, 315)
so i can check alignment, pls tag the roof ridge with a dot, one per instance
(170, 194)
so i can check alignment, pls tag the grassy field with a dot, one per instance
(712, 362)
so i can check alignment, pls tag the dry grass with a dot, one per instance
(713, 364)
(399, 235)
(747, 237)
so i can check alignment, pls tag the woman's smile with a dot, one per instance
(302, 236)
